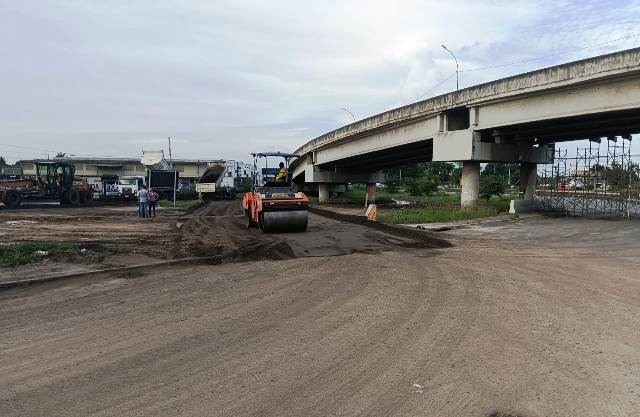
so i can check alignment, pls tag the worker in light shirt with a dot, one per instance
(143, 202)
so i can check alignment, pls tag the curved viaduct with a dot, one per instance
(515, 119)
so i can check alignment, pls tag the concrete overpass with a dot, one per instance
(515, 119)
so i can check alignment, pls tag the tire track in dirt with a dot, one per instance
(220, 229)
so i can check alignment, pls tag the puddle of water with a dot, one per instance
(15, 222)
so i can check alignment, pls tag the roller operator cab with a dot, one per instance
(274, 204)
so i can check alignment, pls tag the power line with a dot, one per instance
(435, 86)
(632, 36)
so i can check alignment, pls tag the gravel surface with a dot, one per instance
(534, 317)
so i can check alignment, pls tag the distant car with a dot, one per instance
(565, 187)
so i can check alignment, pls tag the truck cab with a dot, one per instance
(128, 187)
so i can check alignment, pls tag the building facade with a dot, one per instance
(107, 170)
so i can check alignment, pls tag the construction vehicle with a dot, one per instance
(54, 180)
(210, 185)
(128, 186)
(275, 206)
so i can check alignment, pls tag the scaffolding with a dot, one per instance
(601, 180)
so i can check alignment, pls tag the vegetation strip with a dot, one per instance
(26, 252)
(415, 215)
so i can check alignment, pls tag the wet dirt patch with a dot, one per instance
(219, 229)
(422, 239)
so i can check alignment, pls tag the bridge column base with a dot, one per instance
(528, 177)
(323, 192)
(371, 193)
(470, 184)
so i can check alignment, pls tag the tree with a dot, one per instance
(244, 185)
(442, 170)
(393, 185)
(491, 185)
(456, 175)
(414, 170)
(61, 154)
(510, 173)
(3, 161)
(422, 186)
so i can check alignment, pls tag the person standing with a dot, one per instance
(143, 201)
(153, 201)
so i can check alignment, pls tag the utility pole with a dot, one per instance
(170, 160)
(457, 68)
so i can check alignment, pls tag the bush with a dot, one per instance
(392, 185)
(500, 204)
(491, 185)
(422, 186)
(244, 186)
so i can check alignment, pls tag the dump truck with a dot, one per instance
(53, 181)
(275, 205)
(209, 186)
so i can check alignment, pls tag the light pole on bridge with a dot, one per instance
(457, 70)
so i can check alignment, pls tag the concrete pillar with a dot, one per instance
(323, 192)
(371, 193)
(528, 177)
(470, 184)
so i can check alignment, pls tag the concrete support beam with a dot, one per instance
(371, 192)
(528, 177)
(470, 184)
(313, 174)
(323, 193)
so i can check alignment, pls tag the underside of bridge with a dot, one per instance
(421, 151)
(590, 126)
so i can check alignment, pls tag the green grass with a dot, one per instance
(437, 207)
(24, 253)
(416, 215)
(494, 206)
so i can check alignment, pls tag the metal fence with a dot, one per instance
(601, 180)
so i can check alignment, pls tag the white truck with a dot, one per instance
(128, 186)
(211, 185)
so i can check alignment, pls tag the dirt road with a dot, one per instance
(113, 236)
(220, 228)
(542, 327)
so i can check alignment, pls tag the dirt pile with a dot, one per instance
(219, 229)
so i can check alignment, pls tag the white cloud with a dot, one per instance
(229, 77)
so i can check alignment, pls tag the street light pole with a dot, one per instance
(455, 59)
(350, 113)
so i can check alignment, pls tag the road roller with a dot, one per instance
(274, 204)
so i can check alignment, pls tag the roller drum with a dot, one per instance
(284, 221)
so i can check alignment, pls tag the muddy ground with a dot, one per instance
(113, 236)
(533, 317)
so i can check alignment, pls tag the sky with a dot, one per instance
(226, 78)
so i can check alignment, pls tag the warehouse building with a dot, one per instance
(104, 172)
